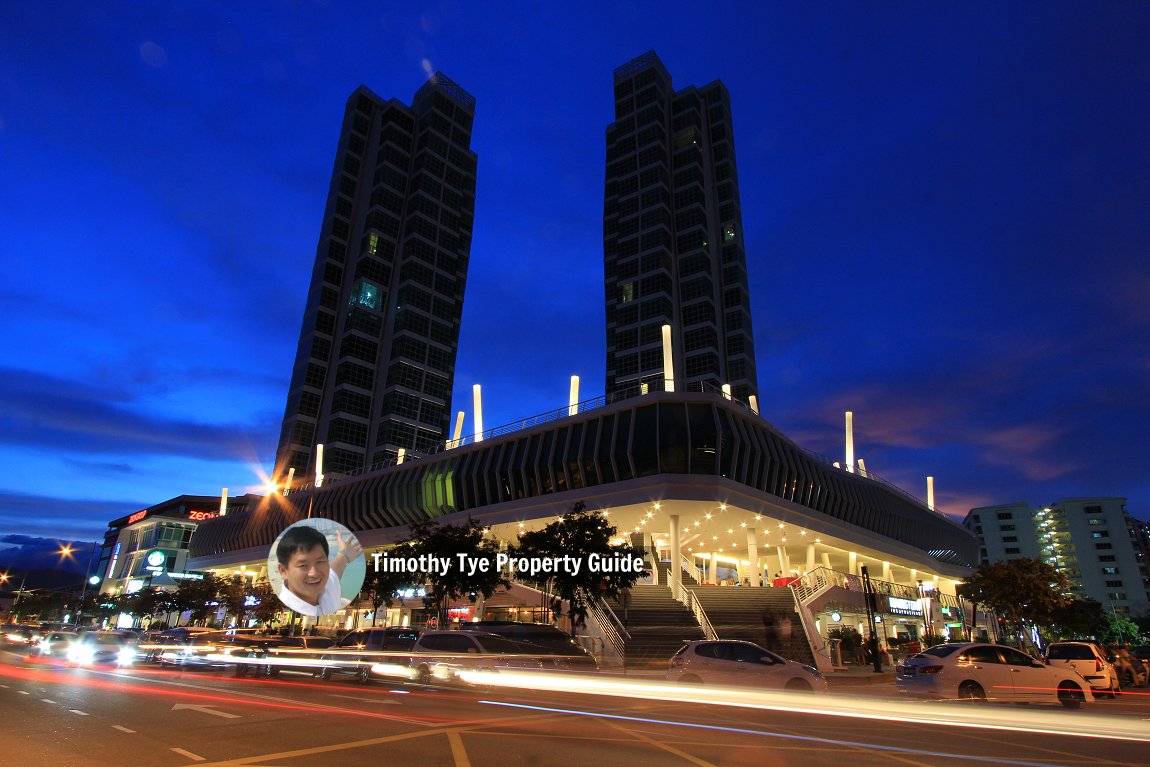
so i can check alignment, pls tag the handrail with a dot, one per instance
(690, 568)
(688, 598)
(611, 637)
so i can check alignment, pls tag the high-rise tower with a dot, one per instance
(673, 236)
(376, 358)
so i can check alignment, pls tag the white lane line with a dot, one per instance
(189, 754)
(6, 687)
(78, 712)
(48, 700)
(23, 692)
(122, 728)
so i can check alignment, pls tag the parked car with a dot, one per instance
(979, 671)
(357, 651)
(18, 634)
(219, 650)
(734, 662)
(561, 651)
(295, 654)
(443, 655)
(102, 647)
(1089, 660)
(55, 644)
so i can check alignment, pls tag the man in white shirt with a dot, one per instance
(311, 580)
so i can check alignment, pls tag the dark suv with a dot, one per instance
(356, 651)
(298, 654)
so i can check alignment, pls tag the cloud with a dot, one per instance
(55, 413)
(27, 552)
(56, 517)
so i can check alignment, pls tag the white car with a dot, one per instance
(1090, 661)
(734, 662)
(94, 647)
(442, 655)
(976, 671)
(55, 644)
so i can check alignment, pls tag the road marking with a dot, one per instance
(204, 710)
(666, 747)
(381, 701)
(48, 700)
(24, 692)
(78, 712)
(6, 687)
(189, 754)
(122, 728)
(458, 753)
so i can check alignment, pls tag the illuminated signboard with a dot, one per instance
(155, 561)
(904, 606)
(115, 557)
(198, 516)
(137, 517)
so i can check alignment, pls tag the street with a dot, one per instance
(152, 716)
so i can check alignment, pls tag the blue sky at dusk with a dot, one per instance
(946, 215)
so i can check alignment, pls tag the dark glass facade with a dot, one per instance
(673, 250)
(375, 364)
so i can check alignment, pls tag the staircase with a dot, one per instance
(658, 624)
(744, 613)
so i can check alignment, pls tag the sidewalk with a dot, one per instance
(855, 676)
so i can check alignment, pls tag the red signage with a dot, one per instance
(137, 516)
(201, 515)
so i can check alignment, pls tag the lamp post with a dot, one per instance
(88, 578)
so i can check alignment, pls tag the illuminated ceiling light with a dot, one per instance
(698, 523)
(650, 514)
(742, 524)
(658, 506)
(780, 525)
(722, 507)
(802, 532)
(758, 517)
(784, 540)
(714, 537)
(729, 531)
(707, 516)
(818, 540)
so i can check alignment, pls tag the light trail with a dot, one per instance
(997, 760)
(957, 714)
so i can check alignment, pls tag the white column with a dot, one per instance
(753, 555)
(400, 456)
(850, 456)
(852, 563)
(727, 391)
(826, 560)
(810, 557)
(676, 571)
(886, 571)
(573, 399)
(290, 480)
(753, 401)
(458, 434)
(668, 361)
(319, 465)
(715, 567)
(224, 503)
(930, 492)
(477, 400)
(784, 570)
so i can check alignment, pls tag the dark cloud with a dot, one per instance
(54, 413)
(46, 516)
(27, 552)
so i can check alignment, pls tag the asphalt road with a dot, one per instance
(148, 716)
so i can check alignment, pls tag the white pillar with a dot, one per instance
(290, 479)
(850, 457)
(573, 399)
(319, 465)
(826, 560)
(862, 467)
(930, 492)
(400, 456)
(810, 557)
(753, 555)
(477, 400)
(727, 391)
(458, 434)
(676, 571)
(852, 563)
(224, 503)
(753, 401)
(668, 361)
(886, 571)
(784, 570)
(715, 567)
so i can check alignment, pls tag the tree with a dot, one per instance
(267, 604)
(380, 588)
(193, 595)
(145, 602)
(232, 591)
(1117, 629)
(447, 542)
(1077, 619)
(585, 536)
(1020, 590)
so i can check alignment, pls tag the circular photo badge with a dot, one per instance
(316, 566)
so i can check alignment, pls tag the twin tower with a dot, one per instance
(375, 365)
